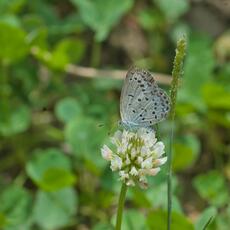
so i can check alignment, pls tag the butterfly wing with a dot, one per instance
(142, 102)
(155, 108)
(131, 91)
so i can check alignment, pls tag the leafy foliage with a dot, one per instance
(101, 16)
(53, 123)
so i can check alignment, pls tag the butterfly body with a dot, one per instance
(142, 102)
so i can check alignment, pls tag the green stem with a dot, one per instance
(121, 206)
(169, 179)
(176, 75)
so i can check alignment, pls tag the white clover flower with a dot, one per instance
(106, 153)
(116, 163)
(133, 171)
(135, 156)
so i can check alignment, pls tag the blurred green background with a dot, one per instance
(53, 121)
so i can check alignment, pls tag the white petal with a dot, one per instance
(145, 151)
(130, 183)
(116, 139)
(139, 160)
(159, 148)
(117, 135)
(123, 175)
(143, 179)
(147, 164)
(106, 153)
(116, 163)
(133, 171)
(141, 132)
(159, 161)
(133, 153)
(127, 160)
(153, 171)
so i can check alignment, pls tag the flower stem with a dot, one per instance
(176, 75)
(121, 206)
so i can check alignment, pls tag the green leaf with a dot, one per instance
(101, 15)
(72, 23)
(185, 151)
(103, 226)
(65, 52)
(205, 217)
(158, 199)
(173, 9)
(10, 19)
(3, 220)
(50, 169)
(54, 210)
(15, 120)
(150, 19)
(139, 198)
(56, 178)
(13, 48)
(134, 220)
(38, 37)
(157, 220)
(68, 109)
(85, 137)
(15, 208)
(72, 48)
(12, 6)
(222, 220)
(198, 68)
(216, 96)
(211, 186)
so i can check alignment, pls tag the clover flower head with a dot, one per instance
(136, 155)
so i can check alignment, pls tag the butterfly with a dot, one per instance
(142, 102)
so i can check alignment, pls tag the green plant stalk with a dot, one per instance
(176, 75)
(121, 206)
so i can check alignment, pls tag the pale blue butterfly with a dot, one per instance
(142, 102)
